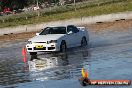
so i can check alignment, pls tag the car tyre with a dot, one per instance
(33, 57)
(33, 53)
(63, 47)
(83, 41)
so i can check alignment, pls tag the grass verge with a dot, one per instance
(98, 7)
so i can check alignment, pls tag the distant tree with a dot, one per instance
(33, 2)
(12, 4)
(0, 6)
(19, 4)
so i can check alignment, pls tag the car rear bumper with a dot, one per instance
(40, 47)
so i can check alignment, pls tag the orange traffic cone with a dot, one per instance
(84, 80)
(24, 59)
(24, 54)
(84, 74)
(24, 51)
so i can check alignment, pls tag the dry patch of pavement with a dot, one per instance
(121, 25)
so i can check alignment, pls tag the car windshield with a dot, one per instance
(53, 30)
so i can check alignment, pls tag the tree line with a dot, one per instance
(12, 4)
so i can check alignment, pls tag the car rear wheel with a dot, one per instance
(63, 47)
(83, 41)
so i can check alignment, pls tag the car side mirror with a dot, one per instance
(37, 34)
(70, 32)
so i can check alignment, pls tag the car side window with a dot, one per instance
(69, 29)
(73, 29)
(51, 31)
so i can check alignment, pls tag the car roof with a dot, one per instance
(60, 25)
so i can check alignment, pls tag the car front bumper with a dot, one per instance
(42, 47)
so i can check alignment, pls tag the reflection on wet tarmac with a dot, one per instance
(42, 66)
(58, 65)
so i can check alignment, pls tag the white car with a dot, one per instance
(58, 38)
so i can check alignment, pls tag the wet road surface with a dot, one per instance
(109, 56)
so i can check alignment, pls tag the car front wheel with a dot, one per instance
(63, 46)
(33, 53)
(83, 41)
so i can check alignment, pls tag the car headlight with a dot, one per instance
(53, 41)
(29, 42)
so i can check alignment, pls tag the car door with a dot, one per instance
(77, 35)
(72, 36)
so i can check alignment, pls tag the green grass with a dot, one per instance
(98, 7)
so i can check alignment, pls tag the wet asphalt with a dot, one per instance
(108, 56)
